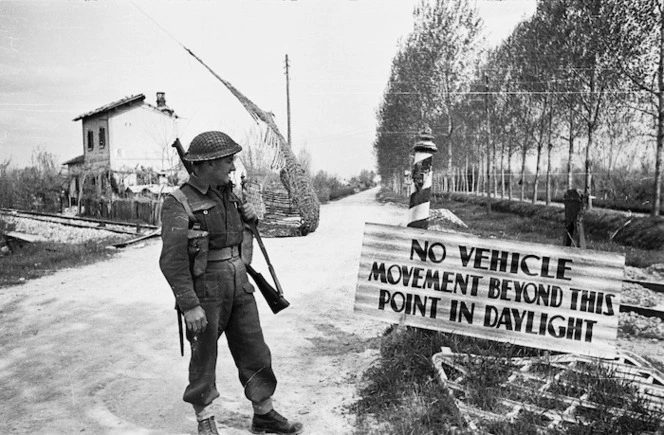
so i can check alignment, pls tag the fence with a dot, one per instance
(143, 210)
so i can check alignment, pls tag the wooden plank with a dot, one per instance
(25, 237)
(156, 233)
(543, 296)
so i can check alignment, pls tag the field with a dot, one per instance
(402, 393)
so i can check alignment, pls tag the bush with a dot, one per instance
(341, 192)
(37, 187)
(329, 188)
(323, 194)
(5, 227)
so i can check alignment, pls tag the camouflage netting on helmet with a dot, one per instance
(298, 185)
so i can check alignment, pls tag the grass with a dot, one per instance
(35, 260)
(402, 394)
(621, 409)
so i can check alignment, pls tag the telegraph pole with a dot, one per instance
(489, 161)
(288, 102)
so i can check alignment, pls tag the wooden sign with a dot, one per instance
(543, 296)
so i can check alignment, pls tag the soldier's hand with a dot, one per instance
(248, 212)
(195, 319)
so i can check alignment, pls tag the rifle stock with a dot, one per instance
(275, 299)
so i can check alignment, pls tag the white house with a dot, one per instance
(123, 137)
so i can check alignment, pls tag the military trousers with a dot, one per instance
(227, 297)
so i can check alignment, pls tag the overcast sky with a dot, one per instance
(62, 58)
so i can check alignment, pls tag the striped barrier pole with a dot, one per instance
(418, 212)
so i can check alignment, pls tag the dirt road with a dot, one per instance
(95, 349)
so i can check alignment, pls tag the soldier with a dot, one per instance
(202, 231)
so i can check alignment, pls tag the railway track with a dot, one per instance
(80, 222)
(653, 286)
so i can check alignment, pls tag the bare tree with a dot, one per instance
(304, 157)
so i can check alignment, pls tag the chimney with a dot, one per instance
(161, 99)
(161, 104)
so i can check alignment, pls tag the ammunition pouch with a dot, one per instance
(198, 241)
(198, 247)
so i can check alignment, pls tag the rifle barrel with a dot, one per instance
(180, 150)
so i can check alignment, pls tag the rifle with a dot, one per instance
(274, 297)
(186, 163)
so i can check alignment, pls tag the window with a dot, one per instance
(91, 140)
(102, 137)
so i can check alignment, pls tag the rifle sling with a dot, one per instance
(182, 199)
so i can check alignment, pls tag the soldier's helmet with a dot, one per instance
(211, 145)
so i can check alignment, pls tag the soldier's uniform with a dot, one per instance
(221, 287)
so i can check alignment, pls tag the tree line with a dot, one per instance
(42, 186)
(578, 78)
(36, 187)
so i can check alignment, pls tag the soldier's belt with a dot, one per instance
(224, 253)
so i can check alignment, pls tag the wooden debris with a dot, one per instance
(536, 378)
(24, 237)
(124, 244)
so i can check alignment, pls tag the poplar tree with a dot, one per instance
(586, 57)
(635, 35)
(446, 44)
(429, 78)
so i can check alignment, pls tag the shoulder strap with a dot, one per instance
(182, 199)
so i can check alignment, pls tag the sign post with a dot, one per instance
(418, 211)
(542, 296)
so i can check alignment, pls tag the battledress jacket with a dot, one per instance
(216, 211)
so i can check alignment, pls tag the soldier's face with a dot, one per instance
(222, 169)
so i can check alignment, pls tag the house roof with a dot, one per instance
(76, 160)
(114, 105)
(164, 109)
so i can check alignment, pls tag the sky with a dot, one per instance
(62, 58)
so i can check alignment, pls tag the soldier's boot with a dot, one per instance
(274, 423)
(207, 427)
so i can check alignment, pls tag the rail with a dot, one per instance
(656, 287)
(79, 222)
